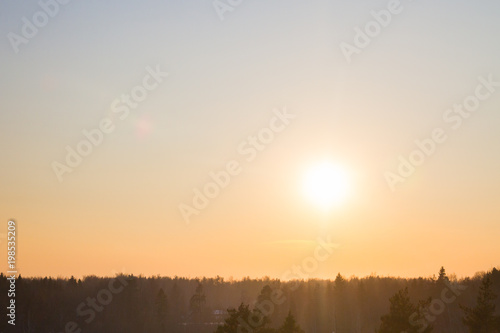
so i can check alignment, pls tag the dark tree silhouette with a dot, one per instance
(237, 321)
(161, 310)
(442, 278)
(404, 316)
(443, 321)
(264, 308)
(290, 325)
(342, 314)
(197, 304)
(482, 318)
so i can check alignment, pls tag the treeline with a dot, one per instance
(132, 304)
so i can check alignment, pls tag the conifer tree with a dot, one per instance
(482, 318)
(404, 316)
(161, 310)
(290, 325)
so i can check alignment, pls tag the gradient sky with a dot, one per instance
(119, 210)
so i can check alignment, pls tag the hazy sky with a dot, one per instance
(119, 208)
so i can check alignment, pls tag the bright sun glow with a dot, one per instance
(326, 185)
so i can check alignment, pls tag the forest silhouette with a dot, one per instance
(130, 304)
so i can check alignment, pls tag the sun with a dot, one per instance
(326, 185)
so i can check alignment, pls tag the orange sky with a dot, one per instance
(222, 107)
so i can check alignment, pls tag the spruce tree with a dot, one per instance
(482, 318)
(290, 325)
(197, 304)
(238, 321)
(161, 307)
(404, 316)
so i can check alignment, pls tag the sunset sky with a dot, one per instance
(119, 209)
